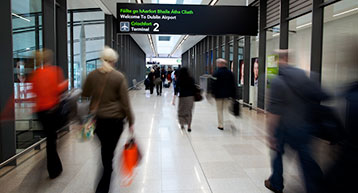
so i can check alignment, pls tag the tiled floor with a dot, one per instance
(206, 160)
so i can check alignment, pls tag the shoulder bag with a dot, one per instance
(89, 126)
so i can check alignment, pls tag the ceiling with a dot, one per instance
(162, 48)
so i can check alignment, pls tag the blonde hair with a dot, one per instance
(44, 56)
(108, 56)
(221, 61)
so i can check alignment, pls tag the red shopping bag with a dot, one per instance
(131, 157)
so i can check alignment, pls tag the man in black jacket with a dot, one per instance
(223, 88)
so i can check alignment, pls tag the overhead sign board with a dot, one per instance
(187, 19)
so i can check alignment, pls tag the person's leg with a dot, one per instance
(220, 111)
(157, 88)
(54, 165)
(161, 87)
(190, 116)
(181, 115)
(276, 178)
(275, 182)
(108, 132)
(151, 88)
(312, 173)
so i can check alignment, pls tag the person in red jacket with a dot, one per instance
(47, 85)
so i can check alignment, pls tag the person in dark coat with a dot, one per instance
(186, 88)
(341, 176)
(290, 101)
(158, 81)
(223, 88)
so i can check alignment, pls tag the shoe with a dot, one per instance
(189, 130)
(221, 128)
(270, 187)
(55, 175)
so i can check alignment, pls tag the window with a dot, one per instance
(88, 36)
(27, 37)
(340, 45)
(300, 32)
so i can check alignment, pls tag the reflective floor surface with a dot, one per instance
(206, 160)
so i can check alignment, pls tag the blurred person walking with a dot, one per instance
(223, 88)
(186, 88)
(341, 176)
(289, 123)
(158, 81)
(151, 78)
(48, 84)
(111, 107)
(174, 76)
(163, 75)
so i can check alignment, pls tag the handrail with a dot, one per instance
(22, 152)
(33, 146)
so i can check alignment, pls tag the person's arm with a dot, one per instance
(125, 103)
(87, 87)
(62, 83)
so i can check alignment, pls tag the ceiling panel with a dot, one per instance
(190, 42)
(232, 2)
(143, 42)
(81, 4)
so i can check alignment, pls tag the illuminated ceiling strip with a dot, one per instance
(304, 25)
(213, 2)
(180, 44)
(152, 44)
(345, 12)
(14, 14)
(103, 7)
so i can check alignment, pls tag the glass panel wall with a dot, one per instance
(231, 57)
(222, 51)
(27, 37)
(272, 45)
(340, 45)
(254, 54)
(241, 62)
(88, 42)
(300, 32)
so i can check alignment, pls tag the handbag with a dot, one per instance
(89, 126)
(131, 157)
(157, 81)
(235, 109)
(197, 95)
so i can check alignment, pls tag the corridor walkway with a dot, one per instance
(206, 160)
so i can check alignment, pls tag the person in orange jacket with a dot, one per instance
(48, 84)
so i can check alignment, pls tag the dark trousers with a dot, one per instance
(159, 88)
(50, 126)
(108, 131)
(151, 87)
(299, 141)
